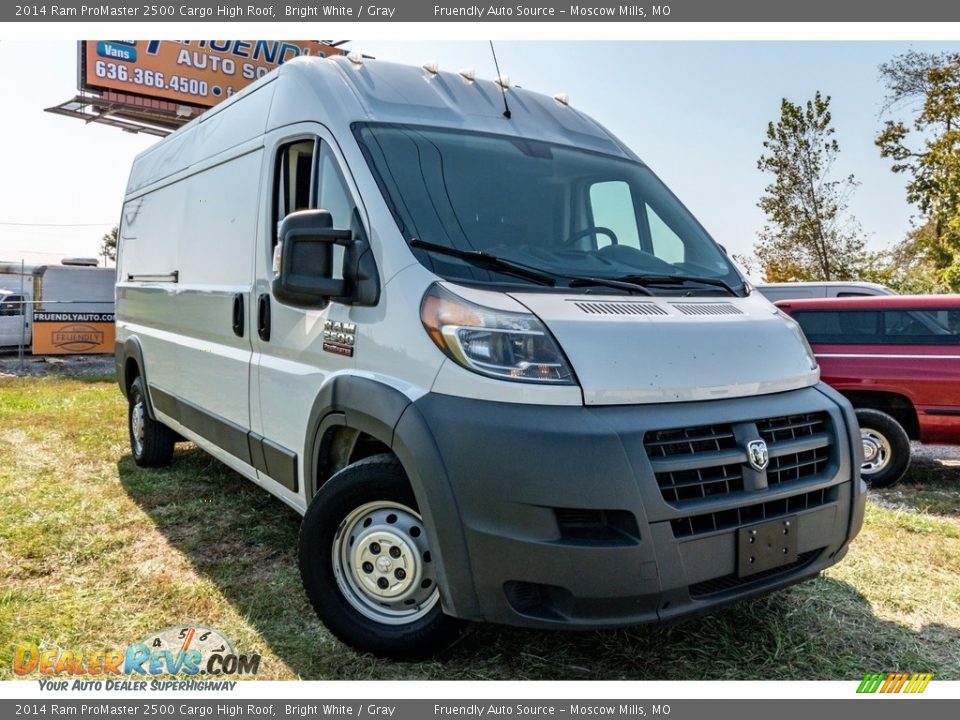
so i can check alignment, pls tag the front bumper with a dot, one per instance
(572, 516)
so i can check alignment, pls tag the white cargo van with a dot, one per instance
(502, 371)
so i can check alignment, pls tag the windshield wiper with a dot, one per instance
(487, 261)
(645, 280)
(630, 287)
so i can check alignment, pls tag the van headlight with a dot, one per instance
(798, 331)
(495, 343)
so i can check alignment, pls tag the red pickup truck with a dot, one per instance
(897, 359)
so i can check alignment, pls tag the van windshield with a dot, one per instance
(557, 209)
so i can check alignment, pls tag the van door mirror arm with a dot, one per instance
(360, 268)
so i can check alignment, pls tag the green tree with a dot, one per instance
(907, 267)
(809, 235)
(929, 153)
(108, 244)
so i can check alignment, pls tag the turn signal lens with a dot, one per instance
(495, 343)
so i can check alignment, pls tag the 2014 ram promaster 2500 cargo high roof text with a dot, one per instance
(502, 371)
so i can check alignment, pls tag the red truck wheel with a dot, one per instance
(886, 448)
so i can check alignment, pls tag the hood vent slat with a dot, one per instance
(620, 308)
(707, 308)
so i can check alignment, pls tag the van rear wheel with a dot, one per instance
(151, 442)
(367, 567)
(886, 448)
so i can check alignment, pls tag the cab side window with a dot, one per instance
(308, 177)
(12, 306)
(890, 327)
(293, 180)
(333, 194)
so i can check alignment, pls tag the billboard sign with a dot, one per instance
(199, 73)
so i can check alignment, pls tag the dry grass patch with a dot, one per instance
(96, 551)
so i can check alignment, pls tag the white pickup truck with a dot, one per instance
(16, 318)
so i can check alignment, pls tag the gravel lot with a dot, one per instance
(56, 365)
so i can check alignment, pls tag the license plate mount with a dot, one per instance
(766, 546)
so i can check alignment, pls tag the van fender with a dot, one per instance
(122, 353)
(390, 417)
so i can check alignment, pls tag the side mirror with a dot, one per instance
(306, 259)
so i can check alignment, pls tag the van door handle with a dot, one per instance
(263, 317)
(238, 315)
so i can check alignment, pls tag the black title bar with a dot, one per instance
(527, 11)
(226, 706)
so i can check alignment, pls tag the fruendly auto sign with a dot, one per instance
(192, 72)
(73, 333)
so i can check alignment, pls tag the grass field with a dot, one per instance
(95, 552)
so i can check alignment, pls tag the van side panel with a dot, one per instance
(219, 132)
(187, 253)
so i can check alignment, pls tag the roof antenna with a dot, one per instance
(503, 88)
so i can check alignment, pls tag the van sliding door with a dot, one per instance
(186, 258)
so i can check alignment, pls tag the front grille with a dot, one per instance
(733, 582)
(682, 484)
(689, 441)
(797, 465)
(749, 514)
(707, 461)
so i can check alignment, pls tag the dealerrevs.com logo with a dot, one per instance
(898, 682)
(183, 650)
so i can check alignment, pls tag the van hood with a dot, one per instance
(653, 350)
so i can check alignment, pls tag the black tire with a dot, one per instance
(886, 448)
(370, 504)
(151, 442)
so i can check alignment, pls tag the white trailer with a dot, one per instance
(57, 309)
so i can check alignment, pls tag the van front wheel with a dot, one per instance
(367, 566)
(151, 442)
(886, 448)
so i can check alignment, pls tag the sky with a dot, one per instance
(695, 111)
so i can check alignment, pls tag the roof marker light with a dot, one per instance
(355, 57)
(468, 74)
(562, 98)
(503, 81)
(431, 67)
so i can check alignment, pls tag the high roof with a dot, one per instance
(391, 92)
(338, 92)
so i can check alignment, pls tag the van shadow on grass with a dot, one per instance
(244, 541)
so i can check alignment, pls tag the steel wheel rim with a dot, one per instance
(382, 563)
(137, 425)
(876, 451)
